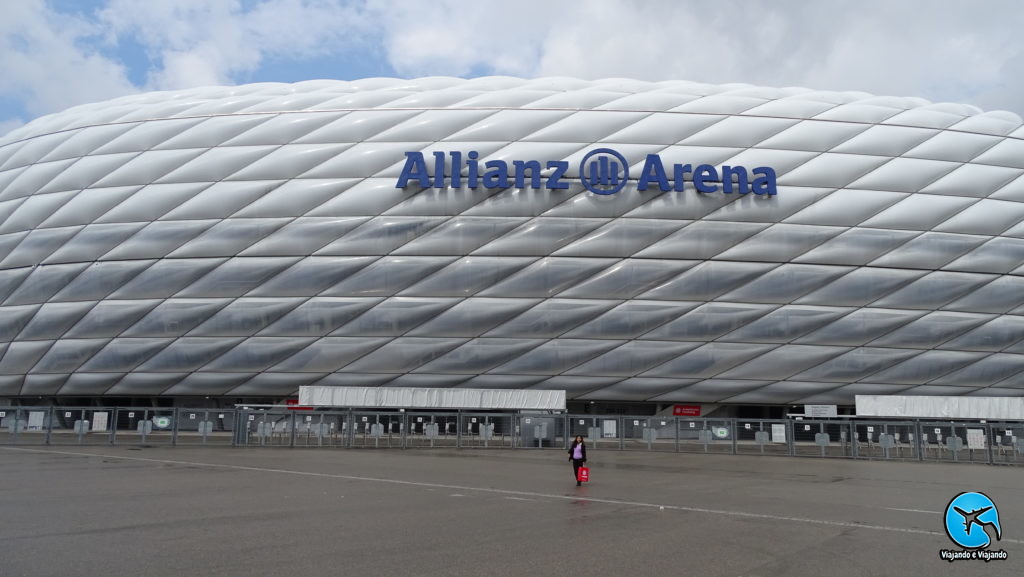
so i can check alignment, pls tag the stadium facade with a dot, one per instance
(625, 241)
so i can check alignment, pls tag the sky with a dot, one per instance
(55, 54)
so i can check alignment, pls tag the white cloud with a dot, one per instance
(940, 50)
(198, 42)
(46, 61)
(937, 49)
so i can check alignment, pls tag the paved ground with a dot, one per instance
(209, 512)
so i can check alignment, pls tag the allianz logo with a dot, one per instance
(602, 171)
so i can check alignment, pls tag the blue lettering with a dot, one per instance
(701, 175)
(764, 181)
(653, 170)
(497, 176)
(521, 167)
(415, 169)
(741, 179)
(558, 168)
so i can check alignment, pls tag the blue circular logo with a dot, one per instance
(604, 171)
(968, 518)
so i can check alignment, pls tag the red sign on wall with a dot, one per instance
(293, 404)
(686, 411)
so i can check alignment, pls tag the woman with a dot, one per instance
(578, 456)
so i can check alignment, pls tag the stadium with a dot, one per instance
(634, 244)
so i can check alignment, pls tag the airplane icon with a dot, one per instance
(972, 519)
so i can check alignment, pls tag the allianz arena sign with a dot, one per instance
(602, 171)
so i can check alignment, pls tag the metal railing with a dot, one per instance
(908, 440)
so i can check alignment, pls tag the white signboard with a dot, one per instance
(746, 426)
(99, 421)
(806, 427)
(820, 411)
(778, 433)
(975, 438)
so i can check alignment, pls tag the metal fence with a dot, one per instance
(908, 440)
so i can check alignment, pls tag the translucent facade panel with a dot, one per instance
(905, 175)
(708, 280)
(638, 389)
(188, 354)
(783, 362)
(158, 239)
(403, 354)
(79, 384)
(540, 236)
(33, 210)
(328, 354)
(785, 283)
(861, 286)
(987, 371)
(460, 235)
(701, 240)
(855, 365)
(319, 316)
(974, 180)
(861, 326)
(176, 317)
(109, 318)
(37, 245)
(395, 316)
(995, 335)
(712, 391)
(551, 318)
(228, 237)
(388, 276)
(480, 355)
(237, 276)
(311, 276)
(299, 158)
(52, 320)
(934, 290)
(366, 197)
(780, 243)
(295, 198)
(833, 170)
(631, 319)
(434, 125)
(709, 360)
(152, 202)
(857, 246)
(165, 278)
(919, 212)
(931, 330)
(276, 384)
(245, 316)
(887, 140)
(472, 317)
(148, 166)
(13, 319)
(998, 296)
(953, 146)
(92, 242)
(89, 205)
(221, 199)
(22, 356)
(467, 276)
(100, 279)
(786, 392)
(786, 323)
(39, 385)
(10, 280)
(710, 321)
(814, 136)
(257, 353)
(84, 172)
(548, 276)
(120, 355)
(66, 355)
(930, 250)
(633, 358)
(43, 282)
(196, 384)
(925, 367)
(621, 237)
(846, 207)
(997, 255)
(381, 235)
(627, 278)
(556, 356)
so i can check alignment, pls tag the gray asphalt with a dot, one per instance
(208, 512)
